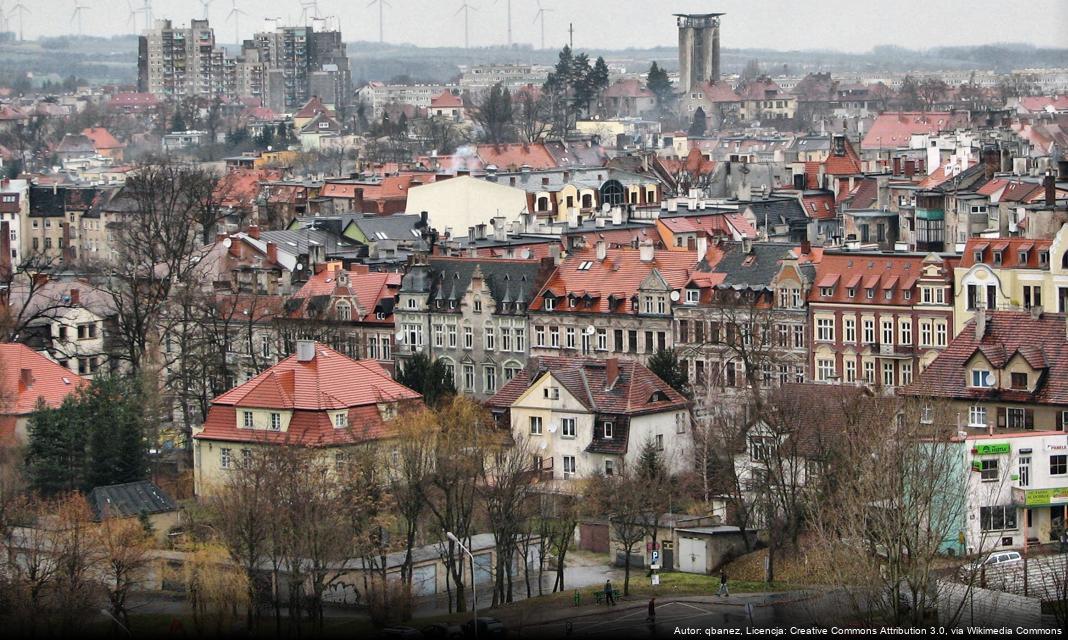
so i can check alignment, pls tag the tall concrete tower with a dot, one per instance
(698, 49)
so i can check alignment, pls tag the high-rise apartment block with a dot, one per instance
(281, 68)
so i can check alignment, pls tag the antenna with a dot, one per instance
(467, 9)
(381, 4)
(541, 14)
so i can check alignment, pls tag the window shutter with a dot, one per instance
(1001, 416)
(1029, 418)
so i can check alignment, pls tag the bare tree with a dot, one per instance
(506, 495)
(124, 545)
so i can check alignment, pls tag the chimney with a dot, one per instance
(305, 350)
(702, 246)
(554, 253)
(646, 251)
(980, 324)
(617, 216)
(602, 250)
(254, 231)
(1050, 183)
(219, 237)
(747, 245)
(235, 247)
(75, 297)
(806, 247)
(272, 252)
(599, 223)
(611, 372)
(26, 378)
(897, 165)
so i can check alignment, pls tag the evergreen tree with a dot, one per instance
(495, 115)
(660, 84)
(178, 121)
(666, 365)
(55, 455)
(430, 378)
(699, 124)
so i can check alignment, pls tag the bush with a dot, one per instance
(389, 604)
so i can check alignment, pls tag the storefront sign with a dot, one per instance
(992, 449)
(1046, 496)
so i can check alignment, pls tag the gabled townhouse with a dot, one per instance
(350, 309)
(470, 313)
(27, 377)
(584, 417)
(1001, 386)
(748, 311)
(14, 211)
(606, 302)
(316, 398)
(878, 319)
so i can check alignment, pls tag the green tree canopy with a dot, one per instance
(665, 363)
(430, 378)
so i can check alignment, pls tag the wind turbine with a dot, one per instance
(509, 2)
(236, 14)
(205, 4)
(22, 10)
(381, 4)
(314, 6)
(76, 15)
(131, 22)
(541, 14)
(147, 10)
(467, 9)
(3, 16)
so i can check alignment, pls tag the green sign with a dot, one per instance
(992, 449)
(1046, 496)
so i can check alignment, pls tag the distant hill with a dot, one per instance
(114, 59)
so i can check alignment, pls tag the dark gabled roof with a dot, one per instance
(754, 269)
(49, 202)
(1040, 341)
(777, 210)
(449, 278)
(401, 228)
(298, 241)
(130, 499)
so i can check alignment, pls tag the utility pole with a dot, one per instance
(571, 35)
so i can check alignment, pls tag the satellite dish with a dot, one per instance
(590, 330)
(989, 379)
(227, 242)
(399, 336)
(552, 428)
(300, 266)
(675, 296)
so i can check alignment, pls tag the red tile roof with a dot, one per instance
(1040, 341)
(618, 277)
(369, 288)
(514, 156)
(627, 88)
(897, 273)
(1021, 192)
(992, 187)
(329, 382)
(102, 138)
(446, 101)
(313, 107)
(845, 164)
(719, 92)
(43, 379)
(895, 129)
(1039, 103)
(1010, 252)
(819, 206)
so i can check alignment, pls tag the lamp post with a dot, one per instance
(474, 587)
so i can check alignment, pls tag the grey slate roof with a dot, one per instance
(298, 241)
(777, 210)
(754, 269)
(449, 278)
(130, 499)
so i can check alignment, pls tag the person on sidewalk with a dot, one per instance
(723, 583)
(652, 610)
(609, 599)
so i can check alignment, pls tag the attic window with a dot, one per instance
(658, 396)
(1022, 256)
(997, 258)
(978, 255)
(585, 266)
(1043, 258)
(549, 303)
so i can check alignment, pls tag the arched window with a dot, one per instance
(543, 204)
(1064, 260)
(587, 201)
(613, 193)
(344, 311)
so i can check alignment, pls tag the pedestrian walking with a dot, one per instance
(723, 583)
(609, 599)
(652, 610)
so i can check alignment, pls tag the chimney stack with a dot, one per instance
(611, 371)
(254, 231)
(980, 324)
(646, 251)
(702, 246)
(305, 350)
(75, 297)
(272, 252)
(806, 247)
(1050, 183)
(602, 249)
(747, 245)
(617, 216)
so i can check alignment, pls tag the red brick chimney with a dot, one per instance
(1050, 183)
(806, 247)
(272, 252)
(254, 231)
(75, 297)
(611, 371)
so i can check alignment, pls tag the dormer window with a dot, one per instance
(871, 293)
(412, 304)
(247, 419)
(1019, 380)
(693, 296)
(585, 266)
(1043, 258)
(341, 420)
(997, 258)
(658, 396)
(851, 292)
(609, 429)
(982, 378)
(550, 303)
(1022, 256)
(826, 291)
(978, 255)
(889, 293)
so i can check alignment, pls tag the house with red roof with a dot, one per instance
(447, 105)
(763, 99)
(316, 398)
(105, 144)
(628, 97)
(130, 102)
(894, 130)
(351, 308)
(27, 378)
(1002, 387)
(586, 417)
(878, 319)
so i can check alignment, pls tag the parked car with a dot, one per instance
(996, 559)
(487, 628)
(443, 630)
(402, 633)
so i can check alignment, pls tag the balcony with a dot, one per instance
(904, 351)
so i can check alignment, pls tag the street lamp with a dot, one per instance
(474, 588)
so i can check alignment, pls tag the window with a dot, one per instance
(680, 423)
(825, 329)
(850, 371)
(1058, 465)
(869, 331)
(549, 304)
(535, 425)
(799, 336)
(344, 311)
(506, 338)
(1032, 296)
(941, 334)
(870, 291)
(490, 378)
(609, 428)
(246, 458)
(469, 377)
(554, 337)
(982, 378)
(225, 457)
(888, 332)
(551, 393)
(976, 416)
(247, 419)
(602, 339)
(1024, 471)
(1017, 418)
(439, 335)
(569, 467)
(412, 304)
(265, 346)
(906, 374)
(276, 421)
(849, 329)
(926, 414)
(988, 470)
(539, 336)
(341, 420)
(659, 442)
(926, 333)
(825, 369)
(826, 291)
(478, 305)
(869, 372)
(761, 447)
(1019, 380)
(997, 518)
(609, 467)
(569, 338)
(693, 296)
(520, 339)
(888, 374)
(469, 338)
(905, 332)
(510, 372)
(567, 427)
(490, 339)
(452, 336)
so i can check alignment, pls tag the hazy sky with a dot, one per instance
(846, 25)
